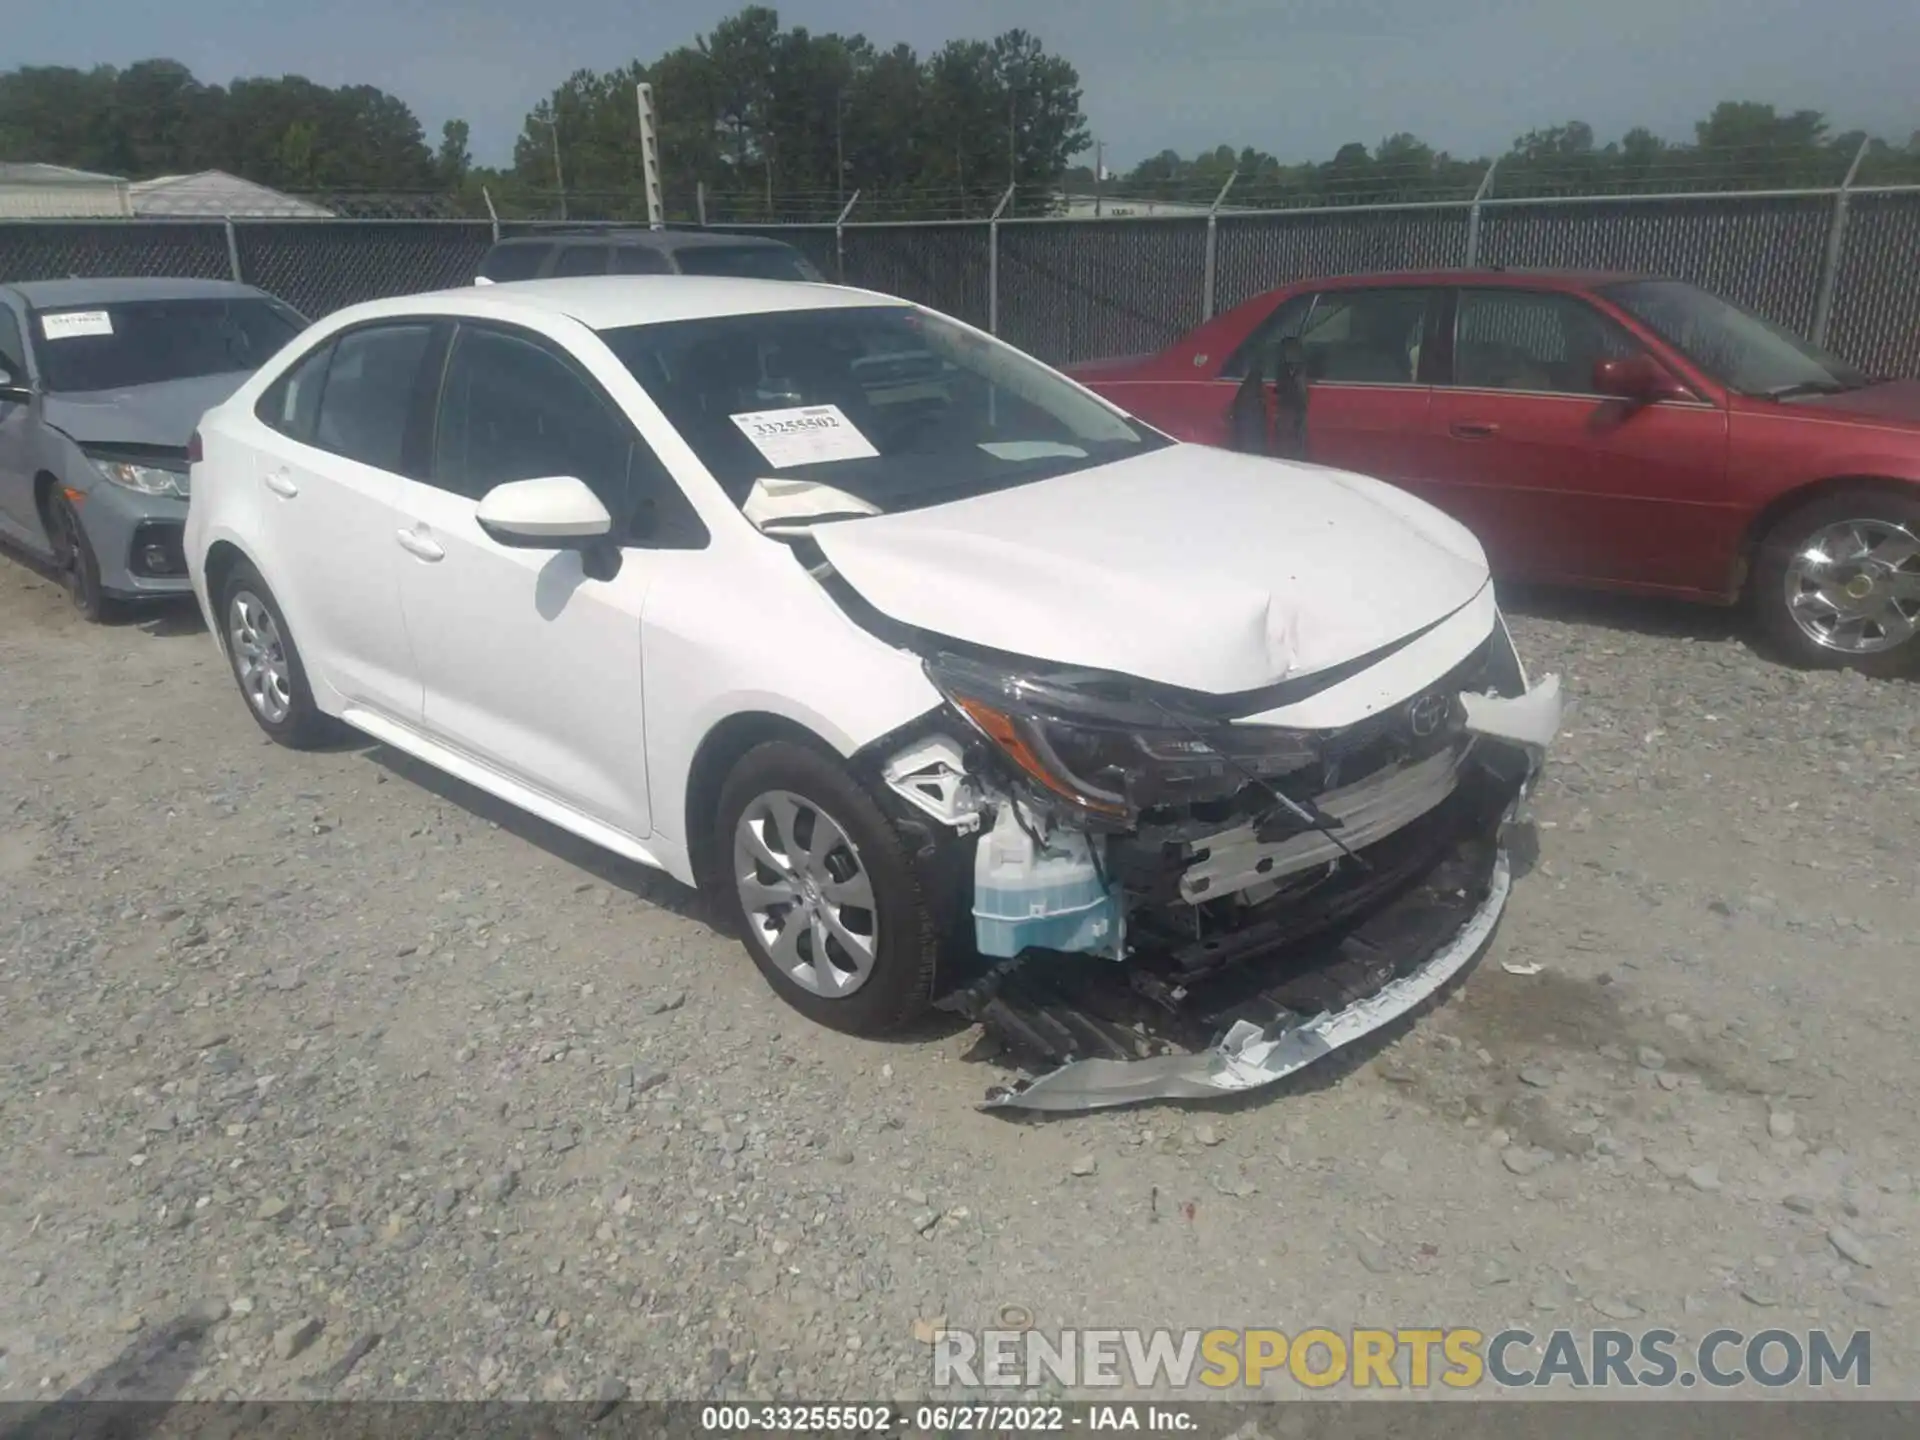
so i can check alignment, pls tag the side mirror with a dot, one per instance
(1639, 379)
(555, 512)
(14, 387)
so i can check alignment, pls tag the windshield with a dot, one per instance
(746, 262)
(1737, 348)
(894, 406)
(121, 344)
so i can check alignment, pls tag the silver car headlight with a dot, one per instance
(143, 479)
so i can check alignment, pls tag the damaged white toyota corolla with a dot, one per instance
(954, 685)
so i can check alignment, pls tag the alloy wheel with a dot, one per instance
(807, 897)
(1854, 586)
(259, 657)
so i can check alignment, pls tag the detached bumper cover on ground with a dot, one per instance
(1371, 946)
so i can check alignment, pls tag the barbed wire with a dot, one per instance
(1613, 172)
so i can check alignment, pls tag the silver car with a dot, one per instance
(101, 385)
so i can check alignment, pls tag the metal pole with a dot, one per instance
(1099, 174)
(1213, 239)
(993, 265)
(649, 157)
(559, 180)
(493, 215)
(840, 238)
(700, 201)
(233, 251)
(1473, 212)
(1836, 247)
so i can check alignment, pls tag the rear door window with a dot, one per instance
(639, 260)
(1367, 337)
(506, 263)
(581, 260)
(368, 397)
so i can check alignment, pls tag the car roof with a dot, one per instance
(114, 290)
(655, 239)
(1486, 275)
(612, 302)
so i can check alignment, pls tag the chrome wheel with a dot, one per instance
(807, 898)
(1854, 586)
(259, 657)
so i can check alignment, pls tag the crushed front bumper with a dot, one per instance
(1250, 1055)
(1370, 945)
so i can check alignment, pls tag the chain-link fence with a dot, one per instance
(1835, 264)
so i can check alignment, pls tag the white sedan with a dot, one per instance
(950, 682)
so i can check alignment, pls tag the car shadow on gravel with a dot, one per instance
(143, 1378)
(1638, 614)
(642, 882)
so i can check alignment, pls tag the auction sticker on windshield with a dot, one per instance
(804, 435)
(71, 324)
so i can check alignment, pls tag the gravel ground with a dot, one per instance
(418, 1098)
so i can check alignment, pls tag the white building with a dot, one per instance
(54, 192)
(214, 195)
(1110, 207)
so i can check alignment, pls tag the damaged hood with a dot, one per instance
(1189, 566)
(161, 415)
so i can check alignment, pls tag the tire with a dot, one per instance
(1864, 612)
(782, 786)
(266, 663)
(73, 557)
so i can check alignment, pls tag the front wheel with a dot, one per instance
(827, 900)
(1837, 584)
(73, 555)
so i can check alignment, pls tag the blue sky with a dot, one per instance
(1295, 77)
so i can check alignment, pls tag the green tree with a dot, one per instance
(454, 161)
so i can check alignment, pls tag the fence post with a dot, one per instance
(1836, 247)
(1473, 212)
(993, 263)
(1213, 238)
(233, 250)
(840, 238)
(700, 202)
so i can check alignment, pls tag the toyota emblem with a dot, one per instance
(1427, 714)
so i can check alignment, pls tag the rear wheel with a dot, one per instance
(266, 663)
(1838, 583)
(73, 557)
(827, 900)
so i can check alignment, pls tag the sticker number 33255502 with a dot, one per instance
(804, 435)
(71, 324)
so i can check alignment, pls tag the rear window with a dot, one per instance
(746, 262)
(122, 344)
(640, 260)
(581, 260)
(513, 262)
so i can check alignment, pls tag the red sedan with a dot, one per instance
(1608, 431)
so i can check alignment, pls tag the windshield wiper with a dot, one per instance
(1807, 387)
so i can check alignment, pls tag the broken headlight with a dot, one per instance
(1107, 745)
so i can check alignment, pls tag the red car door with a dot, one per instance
(1560, 482)
(1369, 368)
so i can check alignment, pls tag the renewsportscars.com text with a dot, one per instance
(1457, 1357)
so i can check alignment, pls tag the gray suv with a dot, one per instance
(556, 253)
(101, 385)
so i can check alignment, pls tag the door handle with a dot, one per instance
(282, 484)
(1473, 429)
(414, 543)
